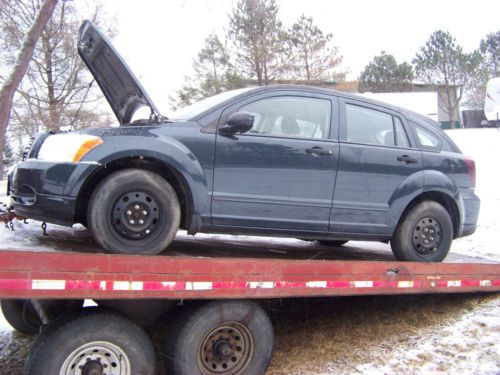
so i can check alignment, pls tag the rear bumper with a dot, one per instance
(470, 212)
(47, 191)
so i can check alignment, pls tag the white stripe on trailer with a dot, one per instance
(48, 284)
(202, 285)
(316, 284)
(406, 284)
(261, 284)
(363, 284)
(136, 285)
(454, 283)
(121, 285)
(485, 283)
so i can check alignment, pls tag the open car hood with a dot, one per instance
(120, 86)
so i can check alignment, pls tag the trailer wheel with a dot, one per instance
(96, 342)
(134, 212)
(424, 234)
(333, 243)
(222, 337)
(22, 316)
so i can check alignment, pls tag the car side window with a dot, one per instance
(366, 125)
(401, 136)
(426, 138)
(290, 116)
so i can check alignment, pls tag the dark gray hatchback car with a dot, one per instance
(292, 161)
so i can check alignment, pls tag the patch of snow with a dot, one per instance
(470, 345)
(483, 145)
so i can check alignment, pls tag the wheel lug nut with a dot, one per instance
(147, 231)
(136, 207)
(144, 212)
(129, 212)
(141, 221)
(131, 222)
(431, 238)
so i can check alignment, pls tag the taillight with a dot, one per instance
(471, 169)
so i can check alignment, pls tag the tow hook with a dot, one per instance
(7, 215)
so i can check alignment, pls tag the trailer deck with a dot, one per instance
(30, 274)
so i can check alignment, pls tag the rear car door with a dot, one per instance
(377, 155)
(280, 175)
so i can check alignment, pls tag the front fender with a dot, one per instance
(164, 149)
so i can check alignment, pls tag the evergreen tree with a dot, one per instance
(314, 56)
(213, 74)
(441, 61)
(489, 67)
(259, 39)
(384, 74)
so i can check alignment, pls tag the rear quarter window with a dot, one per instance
(426, 139)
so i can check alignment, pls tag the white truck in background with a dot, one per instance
(492, 103)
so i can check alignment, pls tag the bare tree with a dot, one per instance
(57, 86)
(12, 82)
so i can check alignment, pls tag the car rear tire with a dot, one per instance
(93, 341)
(134, 212)
(424, 234)
(333, 243)
(220, 337)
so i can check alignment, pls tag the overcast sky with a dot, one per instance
(159, 39)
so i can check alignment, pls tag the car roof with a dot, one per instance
(326, 91)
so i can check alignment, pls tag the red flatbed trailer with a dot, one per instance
(25, 274)
(57, 275)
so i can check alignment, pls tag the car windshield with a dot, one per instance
(197, 108)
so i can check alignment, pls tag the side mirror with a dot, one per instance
(238, 122)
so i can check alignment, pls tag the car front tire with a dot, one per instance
(424, 234)
(134, 212)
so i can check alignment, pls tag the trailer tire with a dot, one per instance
(22, 316)
(134, 211)
(92, 340)
(424, 234)
(220, 337)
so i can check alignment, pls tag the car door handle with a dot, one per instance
(407, 159)
(319, 151)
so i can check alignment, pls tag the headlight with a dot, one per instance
(67, 147)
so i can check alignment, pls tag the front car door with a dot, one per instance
(280, 175)
(377, 158)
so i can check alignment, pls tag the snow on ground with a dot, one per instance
(484, 147)
(467, 344)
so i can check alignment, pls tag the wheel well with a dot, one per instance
(444, 200)
(170, 174)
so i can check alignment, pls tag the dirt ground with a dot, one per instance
(357, 335)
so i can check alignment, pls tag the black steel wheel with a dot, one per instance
(134, 212)
(91, 342)
(220, 338)
(227, 348)
(424, 234)
(427, 235)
